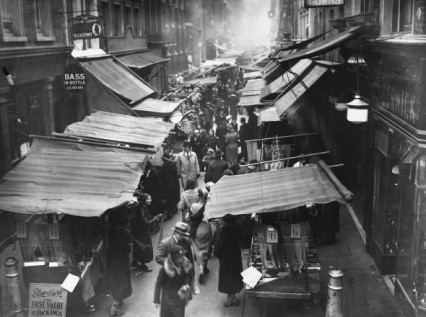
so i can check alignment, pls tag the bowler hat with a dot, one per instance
(182, 228)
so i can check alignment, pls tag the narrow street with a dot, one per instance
(364, 293)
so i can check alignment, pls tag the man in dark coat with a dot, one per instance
(197, 145)
(150, 183)
(118, 248)
(229, 255)
(216, 168)
(170, 182)
(221, 130)
(243, 135)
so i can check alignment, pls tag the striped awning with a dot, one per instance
(114, 128)
(71, 178)
(156, 107)
(118, 78)
(277, 190)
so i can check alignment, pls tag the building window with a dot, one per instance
(12, 20)
(137, 22)
(128, 19)
(43, 16)
(402, 12)
(105, 16)
(117, 23)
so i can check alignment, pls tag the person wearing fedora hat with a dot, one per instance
(187, 165)
(181, 237)
(173, 284)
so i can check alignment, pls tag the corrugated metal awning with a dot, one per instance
(271, 191)
(270, 91)
(140, 60)
(295, 92)
(156, 107)
(115, 128)
(71, 178)
(117, 78)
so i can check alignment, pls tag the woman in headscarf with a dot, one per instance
(229, 253)
(142, 244)
(173, 283)
(231, 141)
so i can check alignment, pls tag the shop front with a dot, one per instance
(398, 223)
(56, 197)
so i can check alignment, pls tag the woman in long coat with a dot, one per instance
(173, 283)
(229, 253)
(170, 181)
(231, 141)
(142, 244)
(118, 243)
(150, 183)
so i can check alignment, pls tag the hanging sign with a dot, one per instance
(74, 78)
(86, 27)
(47, 300)
(323, 3)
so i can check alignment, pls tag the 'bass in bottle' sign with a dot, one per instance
(323, 3)
(47, 300)
(74, 78)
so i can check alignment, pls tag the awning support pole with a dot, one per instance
(289, 158)
(283, 137)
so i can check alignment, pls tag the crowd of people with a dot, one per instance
(214, 148)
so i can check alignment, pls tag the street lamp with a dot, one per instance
(357, 110)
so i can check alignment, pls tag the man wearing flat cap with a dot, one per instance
(187, 165)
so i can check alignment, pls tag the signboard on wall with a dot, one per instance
(47, 300)
(323, 3)
(74, 78)
(86, 27)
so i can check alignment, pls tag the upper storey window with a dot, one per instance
(12, 20)
(43, 17)
(403, 16)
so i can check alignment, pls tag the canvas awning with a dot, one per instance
(296, 91)
(71, 178)
(252, 100)
(252, 75)
(268, 114)
(271, 91)
(322, 47)
(209, 80)
(276, 190)
(114, 128)
(118, 78)
(156, 107)
(140, 60)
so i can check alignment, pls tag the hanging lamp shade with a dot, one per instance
(357, 110)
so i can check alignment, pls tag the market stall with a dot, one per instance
(282, 250)
(57, 195)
